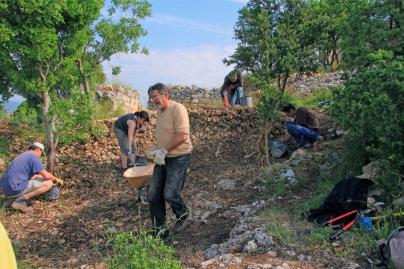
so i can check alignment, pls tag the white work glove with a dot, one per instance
(159, 156)
(150, 153)
(132, 156)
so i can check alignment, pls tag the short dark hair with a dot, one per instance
(33, 147)
(158, 87)
(288, 107)
(142, 114)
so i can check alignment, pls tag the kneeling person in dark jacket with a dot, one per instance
(305, 128)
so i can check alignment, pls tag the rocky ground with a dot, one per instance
(224, 189)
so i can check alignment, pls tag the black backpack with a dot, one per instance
(347, 195)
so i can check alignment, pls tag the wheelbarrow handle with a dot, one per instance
(343, 229)
(342, 216)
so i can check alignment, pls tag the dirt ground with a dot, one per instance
(96, 201)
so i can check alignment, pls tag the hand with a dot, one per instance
(159, 156)
(150, 153)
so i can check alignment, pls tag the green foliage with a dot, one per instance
(276, 226)
(360, 241)
(268, 100)
(370, 106)
(323, 188)
(104, 109)
(371, 26)
(26, 114)
(312, 101)
(73, 117)
(141, 251)
(319, 236)
(273, 41)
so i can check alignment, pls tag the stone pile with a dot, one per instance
(308, 83)
(247, 236)
(121, 97)
(193, 94)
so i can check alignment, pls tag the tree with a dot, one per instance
(371, 26)
(324, 21)
(111, 35)
(273, 45)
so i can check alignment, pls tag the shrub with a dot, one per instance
(26, 114)
(141, 251)
(371, 107)
(104, 109)
(73, 117)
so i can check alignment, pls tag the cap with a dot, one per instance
(39, 145)
(370, 171)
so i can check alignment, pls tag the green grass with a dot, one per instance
(138, 251)
(277, 225)
(323, 188)
(104, 109)
(311, 100)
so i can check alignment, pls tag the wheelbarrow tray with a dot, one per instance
(139, 176)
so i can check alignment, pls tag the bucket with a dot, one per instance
(246, 101)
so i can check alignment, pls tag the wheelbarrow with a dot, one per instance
(139, 177)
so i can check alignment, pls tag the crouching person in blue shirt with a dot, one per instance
(25, 178)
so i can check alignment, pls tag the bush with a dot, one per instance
(104, 109)
(371, 107)
(74, 118)
(141, 251)
(26, 114)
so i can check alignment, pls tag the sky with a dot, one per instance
(187, 42)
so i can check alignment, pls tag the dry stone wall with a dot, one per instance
(121, 97)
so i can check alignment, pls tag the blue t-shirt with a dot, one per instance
(18, 173)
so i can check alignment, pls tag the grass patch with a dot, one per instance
(141, 251)
(104, 109)
(278, 226)
(323, 188)
(318, 99)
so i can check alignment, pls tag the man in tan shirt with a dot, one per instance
(172, 156)
(305, 127)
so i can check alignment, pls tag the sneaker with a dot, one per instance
(183, 222)
(22, 205)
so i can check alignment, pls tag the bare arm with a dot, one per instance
(131, 132)
(46, 175)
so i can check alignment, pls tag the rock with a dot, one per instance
(301, 257)
(353, 265)
(290, 253)
(112, 230)
(290, 177)
(272, 253)
(221, 261)
(372, 170)
(250, 247)
(258, 266)
(226, 185)
(262, 239)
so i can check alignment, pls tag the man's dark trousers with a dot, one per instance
(301, 134)
(166, 186)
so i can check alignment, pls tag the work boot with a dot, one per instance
(21, 204)
(183, 222)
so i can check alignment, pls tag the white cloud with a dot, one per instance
(201, 66)
(189, 24)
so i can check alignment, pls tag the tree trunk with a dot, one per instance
(51, 150)
(83, 77)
